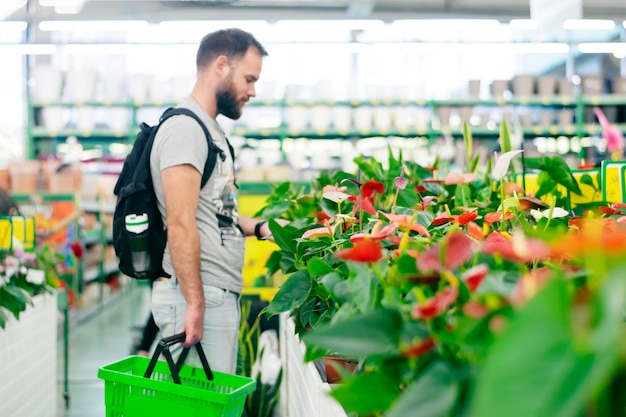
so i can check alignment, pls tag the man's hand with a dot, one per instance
(194, 325)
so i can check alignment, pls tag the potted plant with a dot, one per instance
(458, 294)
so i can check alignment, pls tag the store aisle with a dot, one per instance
(105, 337)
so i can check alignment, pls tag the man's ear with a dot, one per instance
(222, 66)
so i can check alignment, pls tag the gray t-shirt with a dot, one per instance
(179, 141)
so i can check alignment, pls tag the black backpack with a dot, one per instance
(140, 252)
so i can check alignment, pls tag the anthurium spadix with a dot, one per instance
(503, 163)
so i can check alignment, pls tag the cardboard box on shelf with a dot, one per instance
(5, 179)
(61, 178)
(24, 176)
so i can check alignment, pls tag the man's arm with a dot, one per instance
(181, 187)
(248, 226)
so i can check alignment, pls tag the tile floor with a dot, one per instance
(106, 336)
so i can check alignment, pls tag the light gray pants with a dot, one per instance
(221, 323)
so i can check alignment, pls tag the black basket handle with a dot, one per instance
(163, 348)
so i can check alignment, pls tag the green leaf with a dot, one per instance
(14, 299)
(505, 137)
(291, 294)
(535, 358)
(433, 394)
(362, 286)
(318, 267)
(366, 394)
(374, 333)
(469, 144)
(407, 265)
(586, 179)
(423, 218)
(557, 169)
(285, 237)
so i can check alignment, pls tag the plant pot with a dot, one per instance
(332, 364)
(28, 361)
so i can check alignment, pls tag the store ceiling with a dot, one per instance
(308, 9)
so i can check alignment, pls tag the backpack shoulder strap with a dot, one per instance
(214, 150)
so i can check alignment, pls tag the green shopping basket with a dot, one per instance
(139, 387)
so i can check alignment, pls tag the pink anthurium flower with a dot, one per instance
(378, 232)
(364, 250)
(517, 249)
(458, 178)
(401, 182)
(406, 221)
(320, 232)
(459, 250)
(475, 230)
(436, 305)
(364, 204)
(613, 135)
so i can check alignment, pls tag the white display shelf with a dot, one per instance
(28, 361)
(303, 393)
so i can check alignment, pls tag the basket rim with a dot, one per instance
(117, 372)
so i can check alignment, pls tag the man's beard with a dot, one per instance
(227, 103)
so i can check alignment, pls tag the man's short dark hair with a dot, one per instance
(233, 43)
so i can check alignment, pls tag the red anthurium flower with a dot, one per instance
(496, 216)
(377, 233)
(436, 305)
(362, 203)
(371, 187)
(609, 210)
(364, 250)
(517, 249)
(619, 205)
(404, 220)
(475, 230)
(420, 188)
(474, 276)
(77, 250)
(420, 348)
(459, 249)
(465, 218)
(457, 178)
(443, 218)
(322, 217)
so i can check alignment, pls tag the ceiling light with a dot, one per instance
(92, 25)
(63, 6)
(452, 24)
(8, 7)
(616, 48)
(588, 24)
(212, 25)
(28, 49)
(523, 24)
(350, 24)
(128, 49)
(13, 26)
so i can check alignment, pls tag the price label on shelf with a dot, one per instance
(613, 181)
